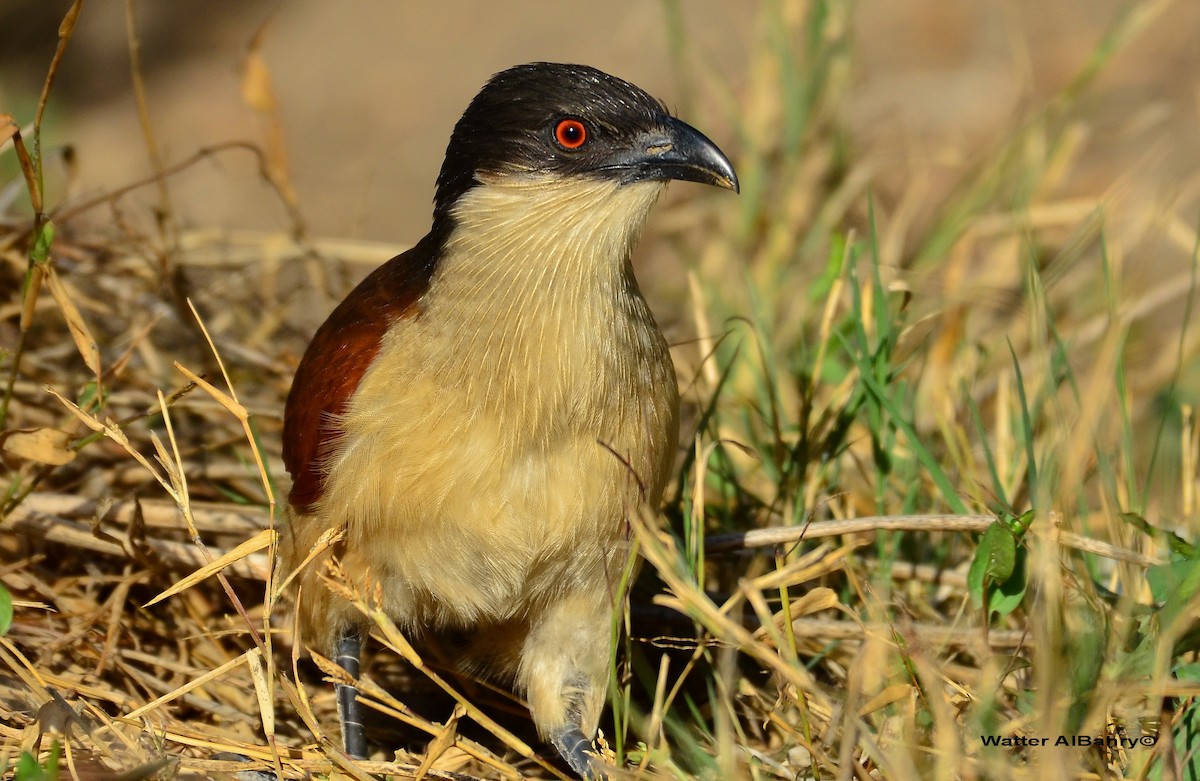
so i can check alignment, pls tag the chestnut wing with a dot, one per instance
(340, 353)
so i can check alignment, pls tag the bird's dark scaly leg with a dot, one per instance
(578, 750)
(354, 738)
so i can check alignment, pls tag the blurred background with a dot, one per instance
(368, 91)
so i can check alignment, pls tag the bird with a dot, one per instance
(482, 416)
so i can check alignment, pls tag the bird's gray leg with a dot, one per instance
(354, 738)
(564, 675)
(577, 749)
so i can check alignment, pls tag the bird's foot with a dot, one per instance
(580, 753)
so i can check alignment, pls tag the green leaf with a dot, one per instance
(1006, 596)
(1164, 578)
(1086, 650)
(997, 573)
(28, 768)
(1178, 545)
(1189, 671)
(40, 252)
(1187, 738)
(1173, 585)
(87, 395)
(6, 610)
(999, 546)
(878, 391)
(996, 555)
(1027, 432)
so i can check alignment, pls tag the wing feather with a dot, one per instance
(339, 355)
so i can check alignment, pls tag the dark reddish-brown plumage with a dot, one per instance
(341, 352)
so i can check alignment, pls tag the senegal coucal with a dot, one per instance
(484, 412)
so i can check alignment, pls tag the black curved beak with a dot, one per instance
(674, 150)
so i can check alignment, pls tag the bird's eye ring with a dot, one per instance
(570, 133)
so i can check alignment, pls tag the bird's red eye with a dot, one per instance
(570, 133)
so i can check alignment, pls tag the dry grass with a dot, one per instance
(875, 380)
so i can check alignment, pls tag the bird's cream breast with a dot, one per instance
(523, 415)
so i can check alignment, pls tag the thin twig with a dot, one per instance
(786, 535)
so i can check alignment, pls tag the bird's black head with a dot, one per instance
(573, 121)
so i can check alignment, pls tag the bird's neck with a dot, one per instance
(534, 291)
(528, 253)
(553, 235)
